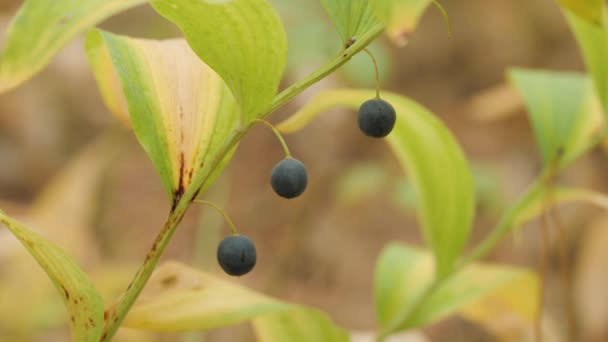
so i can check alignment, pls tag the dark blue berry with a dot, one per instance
(289, 178)
(376, 118)
(236, 255)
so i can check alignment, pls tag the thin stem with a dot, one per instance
(542, 272)
(289, 93)
(446, 17)
(116, 315)
(222, 212)
(566, 276)
(376, 71)
(505, 224)
(279, 136)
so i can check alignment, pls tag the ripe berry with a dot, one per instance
(289, 178)
(236, 255)
(376, 118)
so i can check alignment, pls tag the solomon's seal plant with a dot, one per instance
(190, 101)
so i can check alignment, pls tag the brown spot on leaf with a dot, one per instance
(72, 319)
(92, 322)
(169, 281)
(350, 42)
(65, 291)
(181, 184)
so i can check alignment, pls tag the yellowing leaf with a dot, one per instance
(27, 303)
(514, 304)
(401, 17)
(298, 325)
(404, 273)
(425, 149)
(82, 300)
(180, 109)
(242, 40)
(42, 27)
(107, 79)
(180, 298)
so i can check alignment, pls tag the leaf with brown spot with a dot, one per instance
(68, 278)
(180, 109)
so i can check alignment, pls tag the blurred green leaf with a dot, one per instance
(358, 182)
(404, 274)
(82, 300)
(242, 40)
(425, 148)
(41, 28)
(298, 325)
(560, 106)
(589, 10)
(593, 41)
(180, 298)
(352, 18)
(180, 109)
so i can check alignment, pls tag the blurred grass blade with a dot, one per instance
(561, 110)
(84, 304)
(561, 195)
(589, 10)
(180, 109)
(298, 325)
(403, 273)
(242, 40)
(180, 298)
(593, 41)
(425, 148)
(41, 28)
(352, 18)
(402, 17)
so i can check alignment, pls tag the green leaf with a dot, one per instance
(41, 28)
(180, 109)
(589, 10)
(242, 40)
(180, 298)
(561, 110)
(84, 304)
(298, 325)
(404, 274)
(593, 41)
(426, 149)
(352, 18)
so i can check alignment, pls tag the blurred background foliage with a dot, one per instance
(60, 150)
